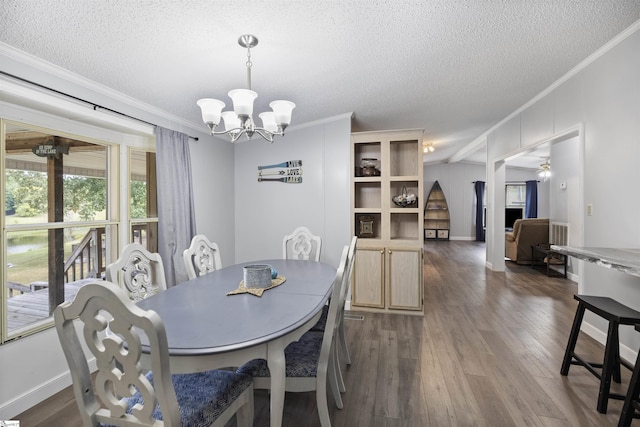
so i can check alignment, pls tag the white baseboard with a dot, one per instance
(30, 398)
(626, 353)
(43, 391)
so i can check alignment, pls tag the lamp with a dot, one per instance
(240, 120)
(428, 148)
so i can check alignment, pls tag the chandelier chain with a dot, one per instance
(249, 65)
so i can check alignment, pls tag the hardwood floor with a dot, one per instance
(487, 353)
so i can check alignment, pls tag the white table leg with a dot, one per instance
(277, 369)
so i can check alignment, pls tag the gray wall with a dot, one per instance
(456, 180)
(212, 166)
(601, 99)
(266, 211)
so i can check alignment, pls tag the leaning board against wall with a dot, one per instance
(387, 217)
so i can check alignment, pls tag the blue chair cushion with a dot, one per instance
(301, 359)
(202, 397)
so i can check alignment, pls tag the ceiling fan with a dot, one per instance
(544, 171)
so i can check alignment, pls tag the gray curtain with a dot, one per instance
(176, 215)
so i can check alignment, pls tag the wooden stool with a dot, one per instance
(632, 401)
(617, 314)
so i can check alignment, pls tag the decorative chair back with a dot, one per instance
(201, 257)
(111, 324)
(114, 329)
(138, 271)
(301, 244)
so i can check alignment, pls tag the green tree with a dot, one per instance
(138, 199)
(28, 190)
(84, 196)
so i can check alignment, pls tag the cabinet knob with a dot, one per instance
(382, 252)
(389, 250)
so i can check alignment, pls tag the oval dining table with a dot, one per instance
(208, 329)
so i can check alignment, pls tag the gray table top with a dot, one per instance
(626, 260)
(201, 319)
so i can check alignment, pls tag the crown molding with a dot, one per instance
(72, 78)
(477, 143)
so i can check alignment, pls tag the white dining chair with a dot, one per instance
(309, 361)
(301, 244)
(201, 257)
(341, 348)
(138, 271)
(122, 392)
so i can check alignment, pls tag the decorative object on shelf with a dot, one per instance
(366, 226)
(240, 121)
(405, 199)
(545, 170)
(291, 172)
(370, 167)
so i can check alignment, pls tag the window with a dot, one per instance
(143, 201)
(515, 195)
(58, 221)
(515, 200)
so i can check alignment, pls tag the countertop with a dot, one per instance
(626, 260)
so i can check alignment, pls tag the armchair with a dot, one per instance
(526, 232)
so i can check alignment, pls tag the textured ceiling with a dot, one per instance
(452, 67)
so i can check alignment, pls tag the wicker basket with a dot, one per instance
(405, 200)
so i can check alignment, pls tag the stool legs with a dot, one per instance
(573, 339)
(610, 365)
(633, 396)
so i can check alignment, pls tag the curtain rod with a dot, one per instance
(509, 182)
(95, 106)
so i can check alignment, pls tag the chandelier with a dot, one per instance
(428, 148)
(240, 121)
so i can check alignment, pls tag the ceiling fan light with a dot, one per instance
(231, 120)
(282, 111)
(269, 121)
(243, 101)
(211, 110)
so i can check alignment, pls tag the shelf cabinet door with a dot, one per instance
(368, 289)
(405, 278)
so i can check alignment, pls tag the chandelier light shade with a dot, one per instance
(240, 121)
(428, 148)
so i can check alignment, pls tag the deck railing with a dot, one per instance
(87, 259)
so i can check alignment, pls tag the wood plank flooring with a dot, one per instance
(486, 353)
